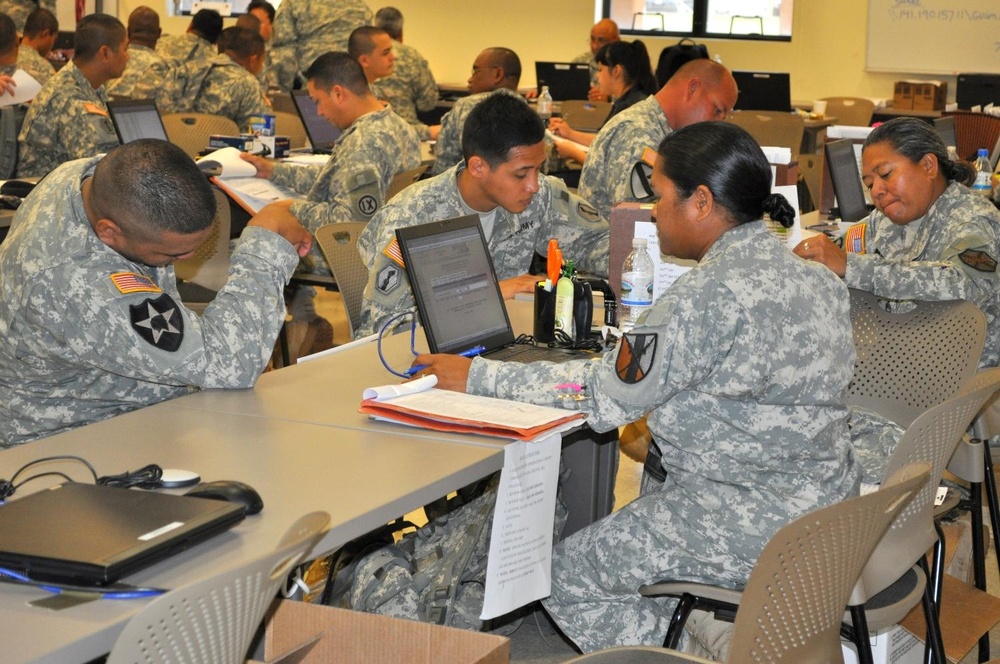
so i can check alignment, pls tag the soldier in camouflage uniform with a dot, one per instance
(748, 431)
(306, 29)
(930, 238)
(19, 10)
(604, 32)
(40, 32)
(520, 209)
(8, 46)
(411, 86)
(69, 117)
(375, 145)
(620, 161)
(91, 320)
(147, 71)
(197, 43)
(494, 69)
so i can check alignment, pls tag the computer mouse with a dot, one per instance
(232, 491)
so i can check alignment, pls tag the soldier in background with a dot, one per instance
(40, 32)
(372, 48)
(146, 71)
(69, 117)
(197, 43)
(411, 86)
(19, 10)
(604, 32)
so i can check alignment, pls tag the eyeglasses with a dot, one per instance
(476, 70)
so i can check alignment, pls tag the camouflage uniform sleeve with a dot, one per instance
(248, 100)
(149, 336)
(285, 35)
(966, 270)
(89, 132)
(594, 184)
(676, 346)
(448, 149)
(583, 235)
(425, 87)
(387, 292)
(295, 177)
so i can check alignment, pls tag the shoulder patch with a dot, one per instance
(387, 279)
(635, 357)
(367, 205)
(393, 253)
(131, 282)
(648, 157)
(978, 260)
(587, 211)
(94, 109)
(159, 322)
(854, 238)
(640, 182)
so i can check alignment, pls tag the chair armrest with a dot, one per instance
(967, 462)
(702, 591)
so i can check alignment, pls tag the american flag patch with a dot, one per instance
(854, 239)
(649, 156)
(394, 254)
(130, 282)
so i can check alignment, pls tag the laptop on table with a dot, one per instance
(92, 535)
(847, 186)
(566, 80)
(458, 295)
(763, 91)
(136, 118)
(322, 134)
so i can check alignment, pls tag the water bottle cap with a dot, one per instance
(639, 242)
(983, 152)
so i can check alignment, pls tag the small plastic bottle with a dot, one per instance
(984, 173)
(637, 285)
(564, 301)
(545, 105)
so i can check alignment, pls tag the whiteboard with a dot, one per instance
(934, 36)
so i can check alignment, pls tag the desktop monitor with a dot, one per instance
(763, 91)
(843, 167)
(136, 118)
(977, 90)
(566, 80)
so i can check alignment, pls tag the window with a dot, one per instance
(188, 7)
(737, 19)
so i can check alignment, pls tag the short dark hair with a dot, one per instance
(208, 24)
(94, 31)
(8, 34)
(497, 125)
(913, 138)
(506, 59)
(144, 25)
(262, 4)
(728, 161)
(390, 19)
(248, 21)
(362, 40)
(152, 186)
(40, 20)
(241, 42)
(338, 68)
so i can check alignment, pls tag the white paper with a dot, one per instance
(27, 88)
(254, 192)
(445, 404)
(228, 159)
(338, 349)
(777, 154)
(386, 392)
(306, 159)
(519, 570)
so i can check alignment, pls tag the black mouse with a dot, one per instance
(232, 491)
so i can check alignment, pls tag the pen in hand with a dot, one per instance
(471, 352)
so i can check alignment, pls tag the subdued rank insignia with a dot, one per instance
(587, 211)
(978, 260)
(159, 322)
(387, 280)
(635, 357)
(642, 187)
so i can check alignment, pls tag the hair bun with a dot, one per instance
(779, 209)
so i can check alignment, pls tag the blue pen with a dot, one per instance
(471, 352)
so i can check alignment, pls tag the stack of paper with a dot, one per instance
(237, 178)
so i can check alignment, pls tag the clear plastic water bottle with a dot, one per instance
(637, 285)
(545, 105)
(984, 173)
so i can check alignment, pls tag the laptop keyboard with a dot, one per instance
(527, 353)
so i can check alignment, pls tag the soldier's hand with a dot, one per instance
(522, 284)
(7, 84)
(279, 219)
(435, 131)
(595, 94)
(452, 371)
(559, 127)
(265, 167)
(823, 250)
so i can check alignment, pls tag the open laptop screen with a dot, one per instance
(322, 133)
(763, 91)
(566, 80)
(843, 165)
(136, 118)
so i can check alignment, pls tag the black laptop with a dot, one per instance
(843, 166)
(457, 293)
(763, 91)
(566, 80)
(322, 134)
(136, 118)
(88, 534)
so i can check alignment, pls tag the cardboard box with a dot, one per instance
(243, 142)
(902, 96)
(930, 95)
(966, 614)
(309, 633)
(892, 645)
(272, 147)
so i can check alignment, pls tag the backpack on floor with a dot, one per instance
(674, 57)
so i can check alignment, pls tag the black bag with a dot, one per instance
(11, 120)
(674, 57)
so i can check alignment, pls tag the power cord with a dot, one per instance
(8, 487)
(147, 477)
(114, 591)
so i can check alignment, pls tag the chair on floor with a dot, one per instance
(203, 275)
(791, 608)
(772, 128)
(191, 131)
(850, 111)
(290, 125)
(401, 181)
(339, 244)
(215, 619)
(974, 131)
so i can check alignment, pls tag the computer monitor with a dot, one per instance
(136, 118)
(977, 90)
(566, 80)
(843, 167)
(322, 133)
(763, 91)
(945, 128)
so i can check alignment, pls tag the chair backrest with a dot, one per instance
(209, 267)
(290, 125)
(401, 181)
(282, 101)
(585, 115)
(772, 128)
(974, 131)
(191, 131)
(215, 619)
(909, 361)
(339, 244)
(850, 111)
(931, 439)
(794, 599)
